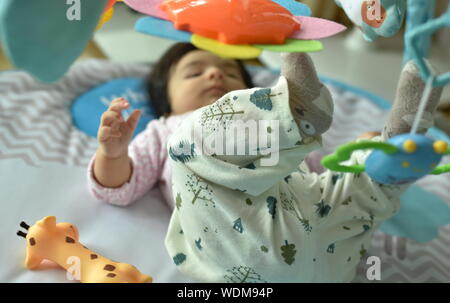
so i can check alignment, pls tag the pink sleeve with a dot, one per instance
(145, 153)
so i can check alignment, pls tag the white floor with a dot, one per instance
(346, 57)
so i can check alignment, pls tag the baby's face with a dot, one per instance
(200, 78)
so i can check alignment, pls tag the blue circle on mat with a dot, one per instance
(88, 108)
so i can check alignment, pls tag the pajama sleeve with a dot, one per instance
(145, 153)
(342, 205)
(246, 141)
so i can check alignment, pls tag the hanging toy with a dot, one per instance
(59, 243)
(402, 159)
(413, 40)
(239, 29)
(418, 13)
(108, 12)
(47, 46)
(375, 18)
(408, 157)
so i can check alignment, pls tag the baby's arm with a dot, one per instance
(354, 201)
(145, 170)
(118, 173)
(112, 167)
(112, 172)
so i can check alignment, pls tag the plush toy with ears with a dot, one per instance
(59, 243)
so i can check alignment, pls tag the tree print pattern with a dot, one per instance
(261, 98)
(366, 227)
(198, 243)
(217, 114)
(179, 258)
(272, 205)
(347, 201)
(183, 152)
(178, 201)
(330, 248)
(200, 190)
(243, 274)
(238, 226)
(322, 209)
(287, 203)
(288, 252)
(336, 177)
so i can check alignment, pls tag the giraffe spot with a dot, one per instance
(93, 256)
(111, 275)
(69, 240)
(32, 242)
(109, 267)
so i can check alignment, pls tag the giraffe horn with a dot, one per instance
(21, 234)
(24, 225)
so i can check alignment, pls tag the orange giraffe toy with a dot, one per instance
(59, 243)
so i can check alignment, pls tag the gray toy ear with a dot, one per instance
(410, 89)
(310, 101)
(411, 71)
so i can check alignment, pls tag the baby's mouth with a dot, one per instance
(216, 90)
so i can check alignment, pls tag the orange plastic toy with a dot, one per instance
(253, 21)
(59, 243)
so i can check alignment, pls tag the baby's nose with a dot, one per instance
(214, 73)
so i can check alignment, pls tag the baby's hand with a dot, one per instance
(114, 133)
(369, 135)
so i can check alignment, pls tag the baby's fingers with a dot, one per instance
(118, 105)
(109, 118)
(106, 132)
(134, 119)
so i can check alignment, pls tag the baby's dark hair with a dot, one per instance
(157, 81)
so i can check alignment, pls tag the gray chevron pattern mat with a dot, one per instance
(35, 121)
(36, 128)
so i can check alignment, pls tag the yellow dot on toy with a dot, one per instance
(226, 50)
(440, 147)
(409, 146)
(405, 164)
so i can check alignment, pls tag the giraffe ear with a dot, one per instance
(48, 222)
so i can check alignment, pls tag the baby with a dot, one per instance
(238, 218)
(183, 80)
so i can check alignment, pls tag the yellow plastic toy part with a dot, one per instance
(105, 18)
(226, 50)
(107, 14)
(293, 46)
(59, 243)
